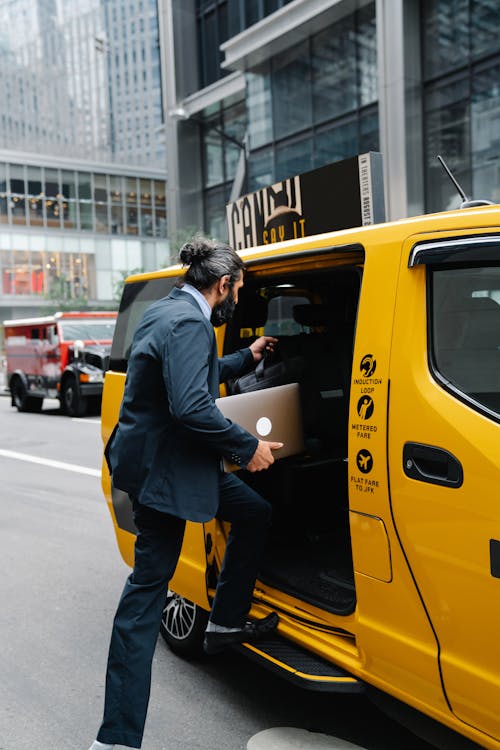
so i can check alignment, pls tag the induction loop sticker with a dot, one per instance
(263, 426)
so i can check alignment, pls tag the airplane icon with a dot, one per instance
(364, 461)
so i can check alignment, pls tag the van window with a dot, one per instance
(136, 298)
(280, 320)
(465, 333)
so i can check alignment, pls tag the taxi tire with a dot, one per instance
(183, 626)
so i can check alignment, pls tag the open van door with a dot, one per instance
(444, 458)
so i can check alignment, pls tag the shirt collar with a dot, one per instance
(201, 300)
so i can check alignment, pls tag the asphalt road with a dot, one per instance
(61, 578)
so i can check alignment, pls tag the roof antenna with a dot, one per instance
(466, 202)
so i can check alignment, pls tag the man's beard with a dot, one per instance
(223, 312)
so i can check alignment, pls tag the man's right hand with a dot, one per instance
(263, 456)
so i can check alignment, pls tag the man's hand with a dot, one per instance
(263, 456)
(261, 345)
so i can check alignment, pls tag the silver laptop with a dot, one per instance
(272, 414)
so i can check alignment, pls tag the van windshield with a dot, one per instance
(88, 330)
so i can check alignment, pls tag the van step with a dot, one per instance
(300, 666)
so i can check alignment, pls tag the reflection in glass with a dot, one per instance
(366, 39)
(485, 134)
(294, 159)
(3, 195)
(18, 193)
(445, 35)
(259, 106)
(234, 126)
(68, 198)
(485, 26)
(447, 133)
(334, 71)
(336, 143)
(261, 169)
(291, 76)
(369, 131)
(213, 153)
(35, 196)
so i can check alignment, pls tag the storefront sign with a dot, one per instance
(348, 193)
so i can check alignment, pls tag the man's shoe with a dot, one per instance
(252, 632)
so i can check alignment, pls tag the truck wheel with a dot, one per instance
(183, 626)
(20, 398)
(72, 402)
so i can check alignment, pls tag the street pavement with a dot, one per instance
(61, 578)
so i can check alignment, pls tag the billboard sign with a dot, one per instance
(344, 194)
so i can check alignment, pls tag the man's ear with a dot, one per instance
(223, 282)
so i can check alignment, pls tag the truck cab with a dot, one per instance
(383, 558)
(60, 356)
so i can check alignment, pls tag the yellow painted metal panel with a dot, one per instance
(372, 555)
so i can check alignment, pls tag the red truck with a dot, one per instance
(64, 356)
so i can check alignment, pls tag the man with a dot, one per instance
(166, 453)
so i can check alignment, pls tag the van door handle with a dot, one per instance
(427, 463)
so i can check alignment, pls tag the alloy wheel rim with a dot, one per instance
(178, 616)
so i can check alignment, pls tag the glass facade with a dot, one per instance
(212, 27)
(104, 103)
(324, 101)
(311, 105)
(461, 97)
(47, 274)
(242, 14)
(84, 201)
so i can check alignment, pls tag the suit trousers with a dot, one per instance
(136, 624)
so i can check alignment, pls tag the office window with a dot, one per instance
(160, 209)
(146, 207)
(117, 204)
(445, 35)
(338, 142)
(3, 195)
(291, 86)
(101, 203)
(51, 193)
(17, 194)
(212, 25)
(295, 158)
(461, 99)
(131, 206)
(69, 202)
(259, 106)
(334, 71)
(34, 196)
(85, 201)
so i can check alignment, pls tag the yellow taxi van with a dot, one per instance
(383, 559)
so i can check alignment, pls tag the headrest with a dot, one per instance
(480, 303)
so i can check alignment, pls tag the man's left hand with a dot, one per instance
(262, 345)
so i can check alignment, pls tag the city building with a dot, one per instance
(82, 151)
(259, 91)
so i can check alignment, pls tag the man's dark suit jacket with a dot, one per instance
(171, 436)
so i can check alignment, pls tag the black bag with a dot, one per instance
(269, 373)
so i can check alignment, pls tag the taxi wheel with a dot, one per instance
(72, 402)
(183, 625)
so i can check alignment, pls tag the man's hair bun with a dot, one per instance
(195, 249)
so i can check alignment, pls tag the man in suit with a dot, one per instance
(167, 453)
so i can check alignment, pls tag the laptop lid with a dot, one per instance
(272, 414)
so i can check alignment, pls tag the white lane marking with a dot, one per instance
(82, 419)
(291, 738)
(50, 462)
